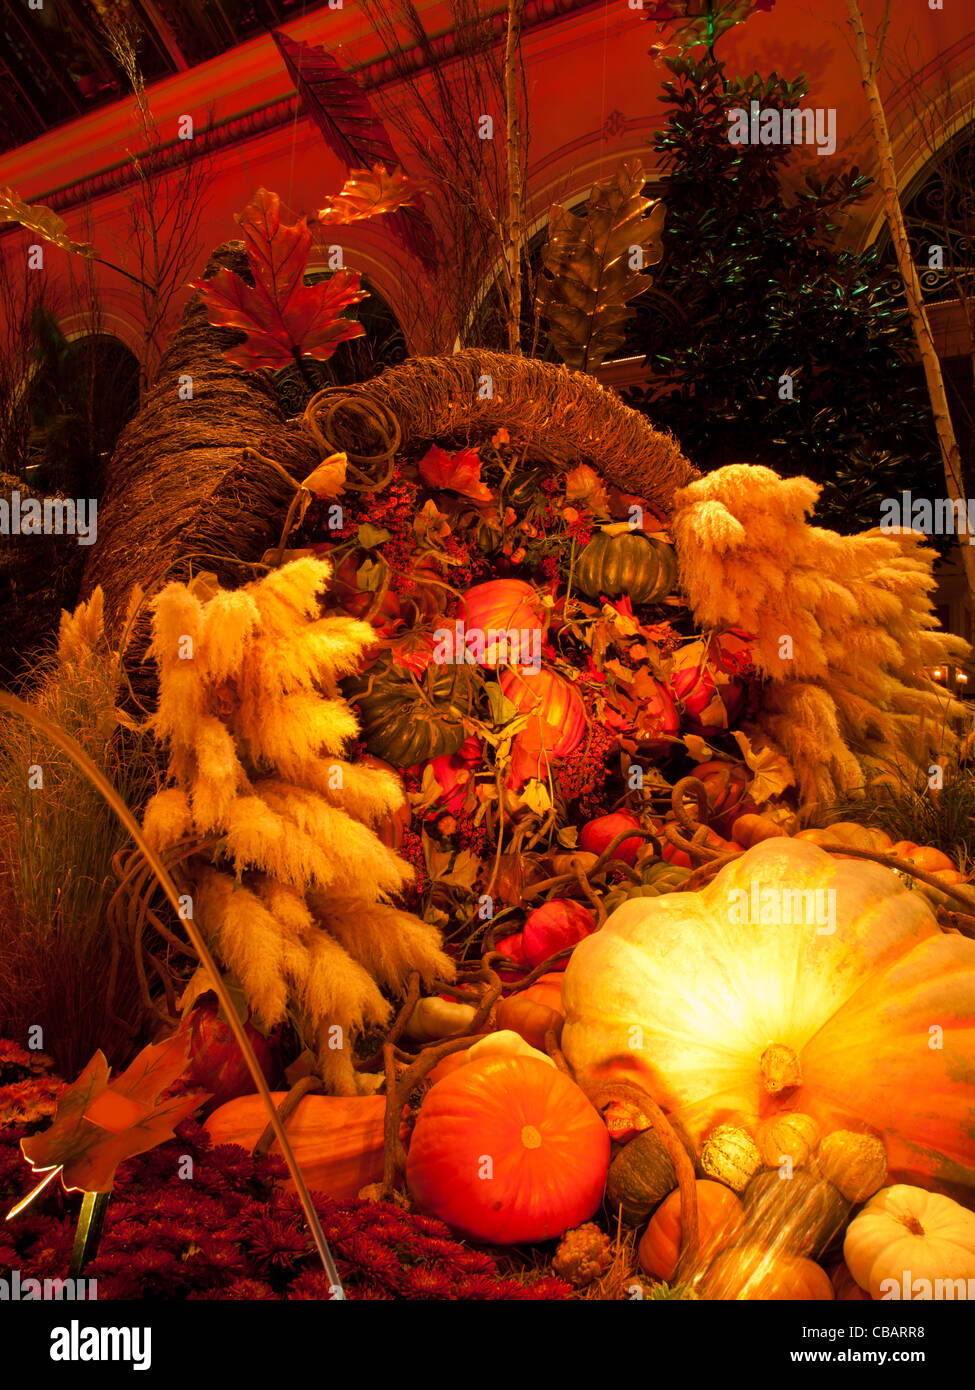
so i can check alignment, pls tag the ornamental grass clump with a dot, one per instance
(58, 838)
(291, 883)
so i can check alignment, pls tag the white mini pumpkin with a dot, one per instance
(907, 1243)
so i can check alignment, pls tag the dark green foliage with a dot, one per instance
(753, 285)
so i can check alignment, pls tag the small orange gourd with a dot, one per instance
(720, 1218)
(337, 1140)
(751, 1272)
(533, 1011)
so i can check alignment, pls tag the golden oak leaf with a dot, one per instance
(99, 1123)
(700, 751)
(42, 221)
(583, 484)
(535, 795)
(592, 266)
(464, 870)
(369, 193)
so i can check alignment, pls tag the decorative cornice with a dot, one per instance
(173, 152)
(381, 72)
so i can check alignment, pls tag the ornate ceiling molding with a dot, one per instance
(273, 115)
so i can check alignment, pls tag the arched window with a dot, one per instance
(939, 214)
(82, 392)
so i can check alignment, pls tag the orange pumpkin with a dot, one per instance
(720, 1219)
(337, 1140)
(533, 1011)
(508, 1150)
(501, 606)
(925, 857)
(714, 1019)
(727, 788)
(847, 832)
(556, 723)
(446, 1065)
(673, 855)
(752, 1272)
(557, 716)
(752, 830)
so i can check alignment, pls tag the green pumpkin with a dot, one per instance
(658, 878)
(398, 725)
(633, 564)
(800, 1215)
(662, 877)
(640, 1177)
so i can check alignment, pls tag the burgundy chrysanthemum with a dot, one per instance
(246, 1289)
(430, 1283)
(274, 1244)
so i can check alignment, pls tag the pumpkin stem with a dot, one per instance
(914, 1226)
(780, 1068)
(678, 1155)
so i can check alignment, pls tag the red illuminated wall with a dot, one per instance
(593, 100)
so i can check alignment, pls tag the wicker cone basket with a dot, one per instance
(189, 486)
(562, 417)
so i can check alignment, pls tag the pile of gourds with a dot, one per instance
(816, 1083)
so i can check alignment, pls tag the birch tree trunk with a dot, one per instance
(515, 180)
(950, 453)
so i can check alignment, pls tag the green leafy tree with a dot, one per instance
(756, 296)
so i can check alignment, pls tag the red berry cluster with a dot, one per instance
(471, 836)
(394, 510)
(587, 769)
(411, 849)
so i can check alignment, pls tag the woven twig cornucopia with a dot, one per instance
(558, 416)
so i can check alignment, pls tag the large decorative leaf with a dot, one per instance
(282, 317)
(340, 109)
(368, 193)
(99, 1123)
(592, 264)
(337, 104)
(42, 221)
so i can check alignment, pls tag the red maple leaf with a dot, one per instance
(282, 316)
(462, 473)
